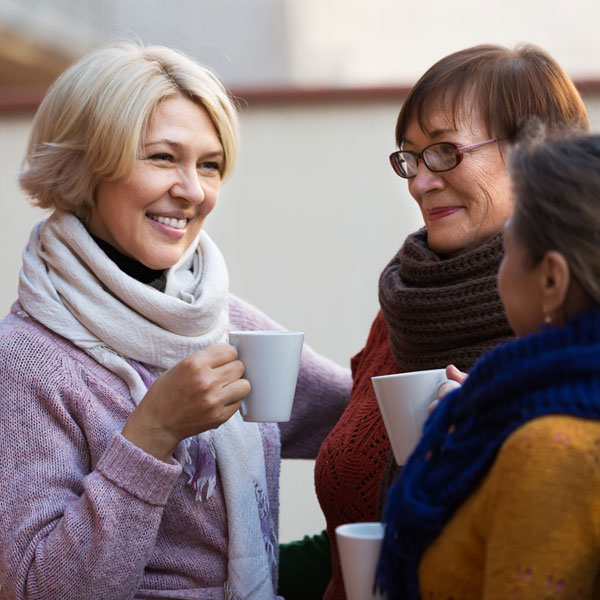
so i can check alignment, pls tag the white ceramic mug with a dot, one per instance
(404, 400)
(272, 361)
(359, 546)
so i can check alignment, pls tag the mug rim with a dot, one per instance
(409, 373)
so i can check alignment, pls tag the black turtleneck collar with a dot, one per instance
(130, 266)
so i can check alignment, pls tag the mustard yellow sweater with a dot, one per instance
(532, 528)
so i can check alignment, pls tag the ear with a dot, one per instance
(555, 278)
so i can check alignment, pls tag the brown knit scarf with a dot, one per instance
(442, 311)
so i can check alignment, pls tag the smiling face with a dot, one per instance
(463, 207)
(156, 212)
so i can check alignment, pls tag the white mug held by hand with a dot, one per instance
(404, 400)
(272, 361)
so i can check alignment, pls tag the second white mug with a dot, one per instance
(404, 400)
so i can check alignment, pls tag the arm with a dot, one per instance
(72, 524)
(544, 501)
(322, 384)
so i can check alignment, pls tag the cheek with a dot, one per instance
(502, 279)
(210, 200)
(508, 285)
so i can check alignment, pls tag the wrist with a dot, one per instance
(154, 440)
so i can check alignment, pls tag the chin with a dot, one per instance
(444, 247)
(160, 264)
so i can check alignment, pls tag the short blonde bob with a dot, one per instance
(91, 123)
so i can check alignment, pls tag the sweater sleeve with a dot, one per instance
(544, 512)
(322, 391)
(72, 525)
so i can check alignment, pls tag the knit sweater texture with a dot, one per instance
(433, 312)
(86, 514)
(552, 372)
(353, 457)
(532, 529)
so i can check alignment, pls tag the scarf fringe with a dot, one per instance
(229, 595)
(198, 459)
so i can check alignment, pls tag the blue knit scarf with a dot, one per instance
(554, 371)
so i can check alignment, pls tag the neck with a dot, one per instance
(130, 266)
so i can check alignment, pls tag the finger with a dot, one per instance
(445, 387)
(231, 409)
(235, 392)
(229, 372)
(455, 374)
(216, 355)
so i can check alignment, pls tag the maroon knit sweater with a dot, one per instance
(351, 461)
(435, 312)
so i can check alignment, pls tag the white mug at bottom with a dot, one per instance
(359, 546)
(272, 361)
(404, 400)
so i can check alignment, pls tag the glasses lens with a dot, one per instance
(441, 157)
(404, 163)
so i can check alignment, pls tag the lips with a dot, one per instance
(442, 212)
(177, 223)
(172, 227)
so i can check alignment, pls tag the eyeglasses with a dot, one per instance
(438, 157)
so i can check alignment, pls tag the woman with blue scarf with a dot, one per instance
(501, 497)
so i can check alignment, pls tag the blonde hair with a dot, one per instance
(92, 121)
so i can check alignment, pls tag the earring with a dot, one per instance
(548, 320)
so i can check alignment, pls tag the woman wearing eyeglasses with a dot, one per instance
(438, 297)
(500, 499)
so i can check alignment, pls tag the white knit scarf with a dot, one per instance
(69, 285)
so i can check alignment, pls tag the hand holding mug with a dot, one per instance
(199, 393)
(455, 378)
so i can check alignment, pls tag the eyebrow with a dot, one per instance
(211, 154)
(433, 134)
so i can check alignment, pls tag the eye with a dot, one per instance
(162, 156)
(210, 166)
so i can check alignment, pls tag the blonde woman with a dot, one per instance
(126, 470)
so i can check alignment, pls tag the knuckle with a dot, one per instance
(205, 382)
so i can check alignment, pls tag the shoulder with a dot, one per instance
(38, 358)
(551, 451)
(376, 357)
(26, 341)
(554, 432)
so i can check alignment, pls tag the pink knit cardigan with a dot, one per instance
(84, 514)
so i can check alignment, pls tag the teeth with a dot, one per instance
(175, 223)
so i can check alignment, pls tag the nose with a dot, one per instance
(424, 181)
(188, 186)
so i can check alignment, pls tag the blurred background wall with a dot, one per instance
(313, 211)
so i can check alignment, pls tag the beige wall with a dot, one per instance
(307, 222)
(341, 42)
